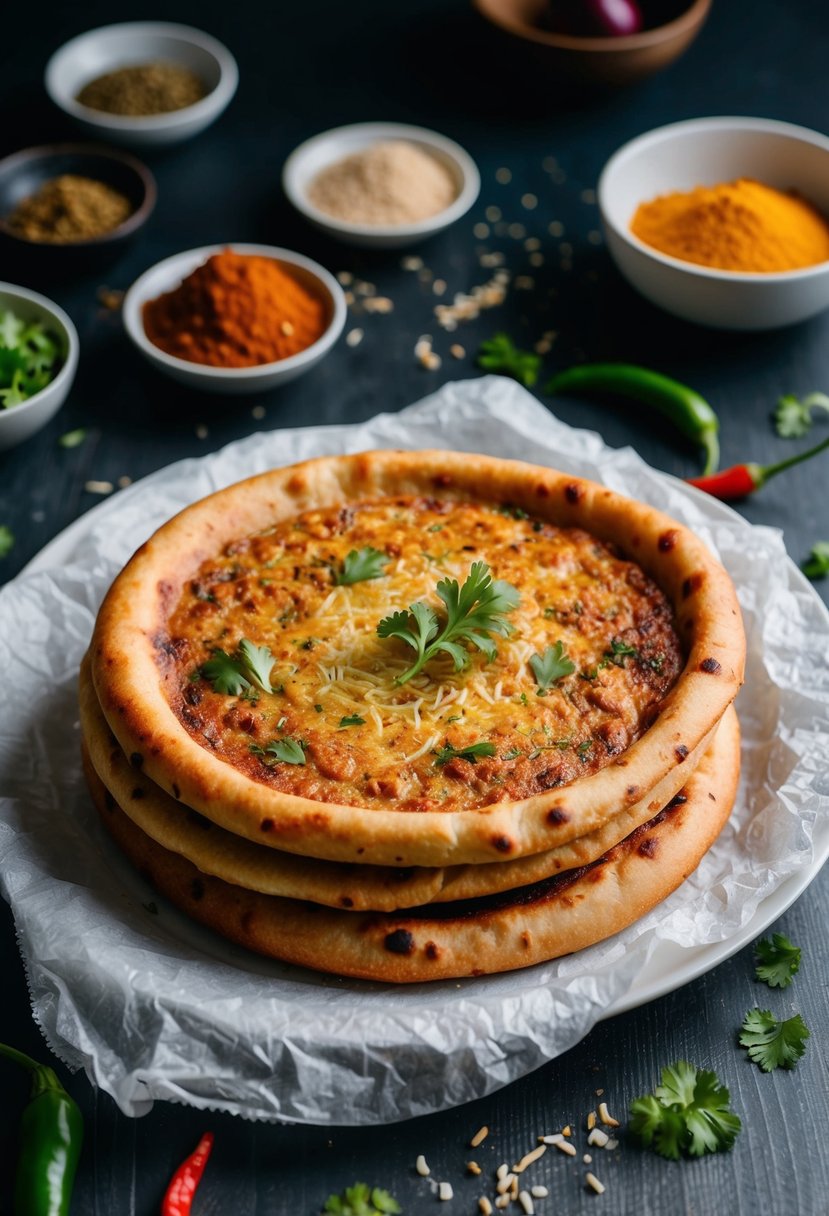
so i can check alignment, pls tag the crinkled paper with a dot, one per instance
(152, 1006)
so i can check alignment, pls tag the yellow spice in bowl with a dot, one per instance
(741, 225)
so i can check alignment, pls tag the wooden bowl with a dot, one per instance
(605, 61)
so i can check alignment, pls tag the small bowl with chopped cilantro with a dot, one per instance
(38, 359)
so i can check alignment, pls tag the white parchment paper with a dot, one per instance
(154, 1007)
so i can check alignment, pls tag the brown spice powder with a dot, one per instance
(69, 208)
(146, 88)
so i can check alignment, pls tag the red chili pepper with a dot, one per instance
(743, 479)
(179, 1197)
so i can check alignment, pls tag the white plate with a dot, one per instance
(219, 1028)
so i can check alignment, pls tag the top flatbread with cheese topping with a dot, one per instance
(341, 759)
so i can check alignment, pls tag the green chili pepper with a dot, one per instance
(51, 1133)
(687, 410)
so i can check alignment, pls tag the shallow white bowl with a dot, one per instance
(703, 152)
(135, 42)
(21, 421)
(166, 275)
(306, 161)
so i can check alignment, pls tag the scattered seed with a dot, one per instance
(493, 214)
(588, 196)
(536, 259)
(124, 481)
(567, 1131)
(594, 1184)
(530, 201)
(411, 263)
(349, 298)
(286, 328)
(591, 1120)
(517, 231)
(445, 1190)
(599, 1093)
(472, 1167)
(99, 487)
(597, 1136)
(513, 1191)
(611, 1144)
(545, 344)
(468, 305)
(457, 351)
(502, 1171)
(378, 304)
(258, 412)
(524, 282)
(421, 1167)
(439, 287)
(587, 1159)
(503, 176)
(425, 275)
(539, 1192)
(502, 1201)
(554, 1138)
(345, 278)
(484, 1206)
(556, 228)
(201, 431)
(606, 1117)
(549, 164)
(564, 1147)
(529, 1158)
(594, 237)
(109, 299)
(526, 1202)
(354, 337)
(364, 289)
(532, 243)
(480, 232)
(490, 260)
(504, 1184)
(479, 1137)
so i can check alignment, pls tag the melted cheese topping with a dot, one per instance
(279, 590)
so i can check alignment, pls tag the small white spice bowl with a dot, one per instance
(703, 152)
(19, 422)
(167, 275)
(316, 154)
(130, 43)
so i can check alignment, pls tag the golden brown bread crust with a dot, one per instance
(359, 887)
(502, 933)
(127, 680)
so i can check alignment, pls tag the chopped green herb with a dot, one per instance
(500, 354)
(29, 358)
(583, 749)
(288, 751)
(473, 612)
(778, 961)
(512, 512)
(773, 1044)
(352, 720)
(362, 1200)
(793, 415)
(523, 699)
(6, 540)
(657, 662)
(470, 753)
(435, 528)
(512, 754)
(688, 1114)
(818, 564)
(318, 708)
(232, 674)
(619, 651)
(551, 666)
(360, 565)
(73, 439)
(454, 718)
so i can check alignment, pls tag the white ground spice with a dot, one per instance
(388, 183)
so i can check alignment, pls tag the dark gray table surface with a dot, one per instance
(305, 68)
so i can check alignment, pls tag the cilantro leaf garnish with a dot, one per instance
(73, 439)
(550, 666)
(793, 415)
(687, 1114)
(817, 565)
(500, 354)
(778, 961)
(28, 359)
(362, 1200)
(6, 540)
(470, 753)
(473, 611)
(773, 1044)
(289, 751)
(352, 720)
(360, 565)
(232, 674)
(619, 651)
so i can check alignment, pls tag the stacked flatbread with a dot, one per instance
(505, 854)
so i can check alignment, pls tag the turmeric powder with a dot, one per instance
(741, 225)
(236, 310)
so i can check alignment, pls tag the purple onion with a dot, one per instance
(611, 18)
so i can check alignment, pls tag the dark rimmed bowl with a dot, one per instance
(23, 173)
(599, 61)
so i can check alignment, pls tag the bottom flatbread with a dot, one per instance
(503, 932)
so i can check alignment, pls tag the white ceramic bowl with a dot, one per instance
(306, 161)
(135, 42)
(166, 275)
(20, 421)
(703, 152)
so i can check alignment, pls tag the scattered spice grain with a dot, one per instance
(421, 1167)
(479, 1137)
(594, 1184)
(143, 89)
(67, 209)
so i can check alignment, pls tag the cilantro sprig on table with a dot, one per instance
(6, 540)
(778, 960)
(687, 1115)
(771, 1043)
(233, 674)
(28, 358)
(474, 610)
(362, 1200)
(793, 415)
(360, 565)
(471, 752)
(551, 666)
(500, 354)
(817, 564)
